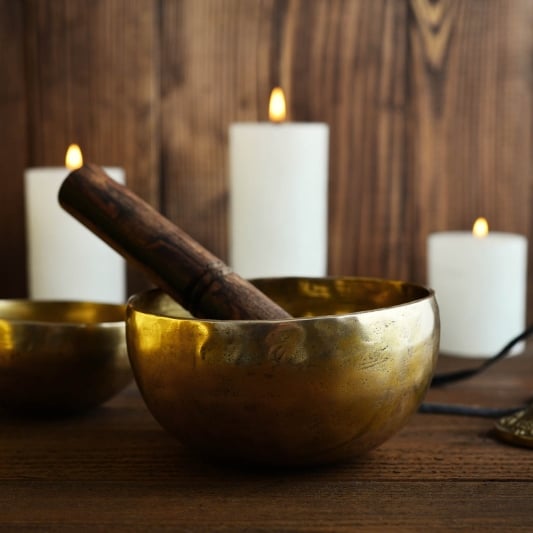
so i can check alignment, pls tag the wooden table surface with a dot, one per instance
(115, 469)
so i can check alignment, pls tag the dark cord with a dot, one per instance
(467, 410)
(451, 377)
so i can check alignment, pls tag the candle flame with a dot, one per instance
(480, 228)
(73, 159)
(277, 110)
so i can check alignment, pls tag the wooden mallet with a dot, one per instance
(172, 259)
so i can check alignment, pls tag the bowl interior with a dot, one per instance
(304, 297)
(308, 297)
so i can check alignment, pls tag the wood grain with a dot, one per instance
(92, 79)
(210, 75)
(470, 91)
(428, 103)
(116, 469)
(370, 229)
(13, 150)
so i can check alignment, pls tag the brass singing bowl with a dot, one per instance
(327, 386)
(61, 357)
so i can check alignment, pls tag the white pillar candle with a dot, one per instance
(66, 261)
(278, 198)
(480, 286)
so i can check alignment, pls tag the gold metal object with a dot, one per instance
(517, 428)
(325, 387)
(58, 357)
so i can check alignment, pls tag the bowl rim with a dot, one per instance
(131, 305)
(5, 302)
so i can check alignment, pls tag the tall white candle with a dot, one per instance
(278, 197)
(480, 286)
(65, 260)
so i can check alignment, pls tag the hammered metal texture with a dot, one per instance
(327, 386)
(517, 428)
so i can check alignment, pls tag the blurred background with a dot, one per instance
(429, 105)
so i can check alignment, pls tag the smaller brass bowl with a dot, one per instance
(329, 385)
(61, 357)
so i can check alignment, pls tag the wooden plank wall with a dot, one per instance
(429, 104)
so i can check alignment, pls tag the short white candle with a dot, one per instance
(278, 197)
(480, 286)
(66, 261)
